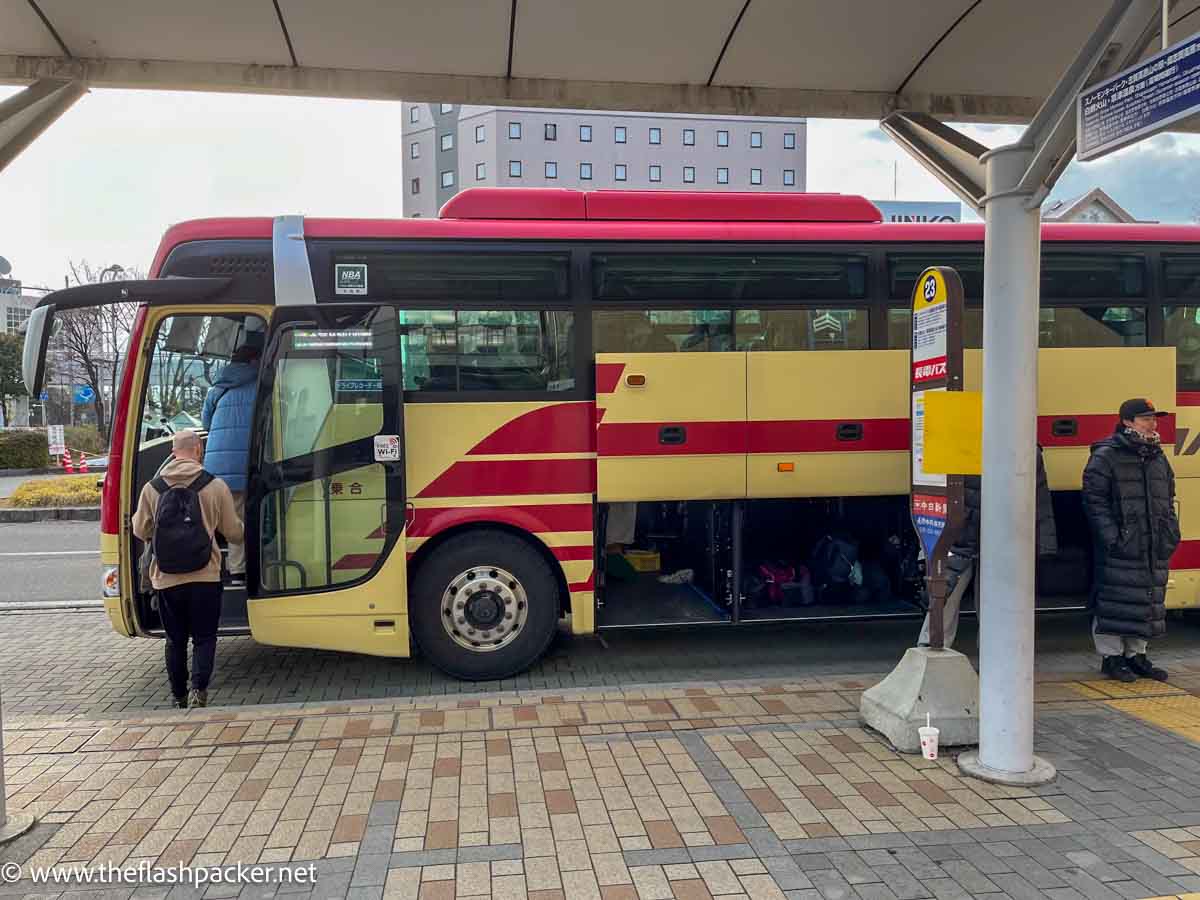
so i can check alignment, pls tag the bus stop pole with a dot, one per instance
(17, 824)
(1011, 275)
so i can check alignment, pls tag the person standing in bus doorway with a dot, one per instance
(227, 417)
(177, 514)
(964, 554)
(1129, 499)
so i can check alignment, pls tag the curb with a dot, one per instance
(53, 606)
(50, 513)
(16, 473)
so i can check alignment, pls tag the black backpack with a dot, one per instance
(181, 542)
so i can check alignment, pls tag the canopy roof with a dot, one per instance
(967, 60)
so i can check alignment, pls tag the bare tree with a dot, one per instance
(93, 339)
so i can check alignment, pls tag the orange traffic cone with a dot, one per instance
(83, 469)
(68, 467)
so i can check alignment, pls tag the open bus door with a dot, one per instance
(325, 513)
(116, 548)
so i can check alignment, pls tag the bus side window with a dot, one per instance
(1181, 330)
(661, 330)
(1181, 324)
(900, 328)
(802, 329)
(487, 350)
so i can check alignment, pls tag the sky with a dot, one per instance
(105, 181)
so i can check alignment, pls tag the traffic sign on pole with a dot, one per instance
(1140, 101)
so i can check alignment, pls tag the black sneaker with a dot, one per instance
(1142, 666)
(180, 702)
(1118, 667)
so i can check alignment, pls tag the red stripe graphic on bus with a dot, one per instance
(356, 561)
(608, 376)
(645, 438)
(561, 428)
(491, 478)
(589, 585)
(1091, 428)
(929, 370)
(1187, 555)
(818, 436)
(821, 436)
(570, 553)
(429, 521)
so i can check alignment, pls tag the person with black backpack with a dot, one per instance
(177, 515)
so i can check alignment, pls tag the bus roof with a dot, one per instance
(544, 214)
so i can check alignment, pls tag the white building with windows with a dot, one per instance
(448, 147)
(15, 305)
(16, 302)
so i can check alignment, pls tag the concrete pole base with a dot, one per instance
(15, 825)
(938, 682)
(1041, 773)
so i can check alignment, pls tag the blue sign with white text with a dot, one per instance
(919, 210)
(1139, 102)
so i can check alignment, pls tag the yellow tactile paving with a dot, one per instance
(1081, 691)
(1178, 713)
(1143, 687)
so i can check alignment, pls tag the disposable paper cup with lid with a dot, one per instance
(929, 741)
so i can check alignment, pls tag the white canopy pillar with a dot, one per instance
(1011, 267)
(1007, 186)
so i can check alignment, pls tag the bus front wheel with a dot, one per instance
(484, 606)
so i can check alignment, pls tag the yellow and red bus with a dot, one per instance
(614, 409)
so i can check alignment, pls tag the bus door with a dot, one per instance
(182, 334)
(671, 426)
(828, 423)
(325, 515)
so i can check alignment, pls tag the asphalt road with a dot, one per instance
(49, 561)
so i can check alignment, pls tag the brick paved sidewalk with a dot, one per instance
(737, 789)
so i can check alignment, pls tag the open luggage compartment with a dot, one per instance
(729, 562)
(667, 563)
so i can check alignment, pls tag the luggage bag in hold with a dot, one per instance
(779, 584)
(774, 576)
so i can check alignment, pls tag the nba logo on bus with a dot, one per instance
(350, 278)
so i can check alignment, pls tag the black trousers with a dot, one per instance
(190, 611)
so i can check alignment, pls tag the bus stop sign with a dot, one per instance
(1140, 101)
(935, 499)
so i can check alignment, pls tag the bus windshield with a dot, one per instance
(190, 353)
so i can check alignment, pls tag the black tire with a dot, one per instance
(485, 551)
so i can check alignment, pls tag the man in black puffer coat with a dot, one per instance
(964, 554)
(1129, 499)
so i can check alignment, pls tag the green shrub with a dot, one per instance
(23, 450)
(85, 437)
(68, 490)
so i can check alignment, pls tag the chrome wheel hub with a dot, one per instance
(484, 608)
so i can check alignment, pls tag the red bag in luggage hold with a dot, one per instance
(775, 575)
